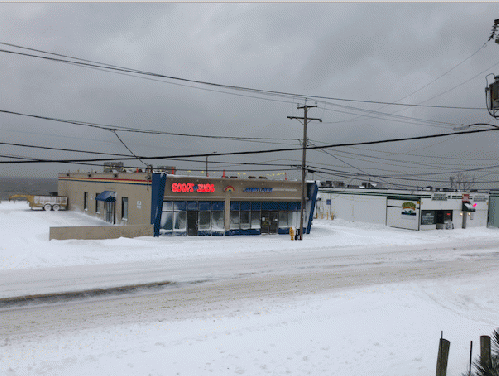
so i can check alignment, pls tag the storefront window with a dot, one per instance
(210, 216)
(246, 206)
(204, 221)
(217, 221)
(179, 205)
(167, 221)
(204, 205)
(180, 221)
(245, 220)
(428, 217)
(192, 205)
(255, 220)
(256, 206)
(283, 219)
(217, 205)
(234, 220)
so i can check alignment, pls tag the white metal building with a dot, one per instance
(412, 210)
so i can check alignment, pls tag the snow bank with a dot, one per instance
(377, 331)
(382, 329)
(25, 245)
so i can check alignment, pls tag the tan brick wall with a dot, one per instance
(135, 186)
(99, 232)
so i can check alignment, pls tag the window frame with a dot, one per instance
(124, 213)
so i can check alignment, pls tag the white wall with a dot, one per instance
(395, 218)
(453, 205)
(378, 209)
(479, 216)
(358, 208)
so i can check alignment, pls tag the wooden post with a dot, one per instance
(443, 356)
(485, 358)
(471, 355)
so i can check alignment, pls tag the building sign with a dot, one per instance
(285, 190)
(466, 197)
(428, 217)
(439, 197)
(229, 188)
(267, 190)
(480, 199)
(408, 209)
(191, 187)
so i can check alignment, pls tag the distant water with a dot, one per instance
(35, 186)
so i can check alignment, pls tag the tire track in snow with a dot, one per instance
(183, 301)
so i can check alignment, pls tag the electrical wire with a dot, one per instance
(253, 152)
(109, 67)
(115, 128)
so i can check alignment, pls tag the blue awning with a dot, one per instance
(106, 196)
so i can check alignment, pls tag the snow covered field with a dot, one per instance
(351, 299)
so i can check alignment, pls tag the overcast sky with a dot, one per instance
(433, 54)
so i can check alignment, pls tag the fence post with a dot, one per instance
(485, 358)
(443, 356)
(471, 355)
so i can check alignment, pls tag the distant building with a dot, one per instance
(412, 210)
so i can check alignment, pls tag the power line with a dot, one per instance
(115, 128)
(444, 74)
(109, 67)
(61, 149)
(276, 150)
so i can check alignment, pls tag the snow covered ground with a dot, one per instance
(352, 298)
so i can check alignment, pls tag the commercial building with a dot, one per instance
(412, 210)
(186, 205)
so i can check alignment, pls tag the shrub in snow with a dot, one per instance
(481, 368)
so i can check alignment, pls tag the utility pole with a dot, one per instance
(207, 163)
(304, 158)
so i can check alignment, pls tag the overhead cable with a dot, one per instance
(109, 67)
(253, 152)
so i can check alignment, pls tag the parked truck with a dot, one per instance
(47, 203)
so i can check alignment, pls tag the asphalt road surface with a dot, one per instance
(196, 288)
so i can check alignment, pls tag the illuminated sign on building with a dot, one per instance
(191, 187)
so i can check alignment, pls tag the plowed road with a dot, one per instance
(207, 285)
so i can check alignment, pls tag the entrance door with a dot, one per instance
(269, 222)
(109, 207)
(443, 219)
(192, 223)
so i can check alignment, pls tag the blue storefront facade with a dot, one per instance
(199, 206)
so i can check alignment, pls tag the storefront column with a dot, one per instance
(227, 212)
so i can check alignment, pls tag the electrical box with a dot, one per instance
(494, 95)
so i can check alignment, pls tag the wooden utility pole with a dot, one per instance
(303, 161)
(443, 356)
(207, 164)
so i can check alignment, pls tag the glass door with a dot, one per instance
(192, 223)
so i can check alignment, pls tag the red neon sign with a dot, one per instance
(191, 187)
